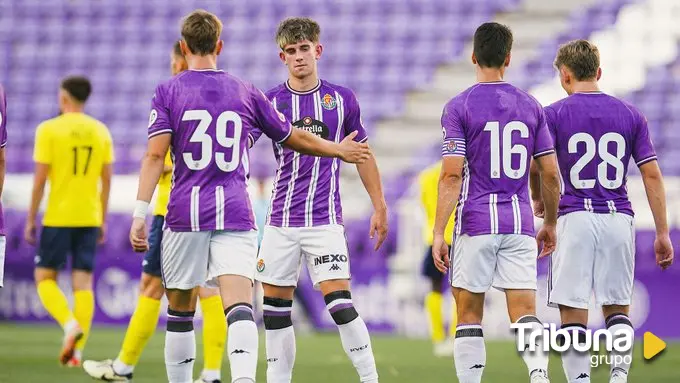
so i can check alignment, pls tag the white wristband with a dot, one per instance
(141, 208)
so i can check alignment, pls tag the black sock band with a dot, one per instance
(239, 312)
(276, 313)
(615, 319)
(180, 321)
(340, 306)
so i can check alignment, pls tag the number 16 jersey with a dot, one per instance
(211, 116)
(595, 136)
(496, 127)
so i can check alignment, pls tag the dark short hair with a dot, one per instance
(295, 29)
(78, 87)
(177, 49)
(201, 30)
(581, 57)
(492, 44)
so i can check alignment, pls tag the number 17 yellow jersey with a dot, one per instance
(76, 147)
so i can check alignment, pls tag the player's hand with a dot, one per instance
(539, 208)
(547, 240)
(29, 232)
(379, 225)
(138, 237)
(102, 234)
(663, 248)
(440, 253)
(352, 151)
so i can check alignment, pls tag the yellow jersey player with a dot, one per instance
(75, 153)
(145, 318)
(428, 180)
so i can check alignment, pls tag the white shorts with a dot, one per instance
(3, 242)
(190, 259)
(595, 253)
(283, 249)
(504, 261)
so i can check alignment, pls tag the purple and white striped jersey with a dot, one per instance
(3, 142)
(307, 188)
(495, 126)
(595, 136)
(211, 116)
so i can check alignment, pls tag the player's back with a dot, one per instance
(76, 147)
(496, 126)
(210, 114)
(595, 136)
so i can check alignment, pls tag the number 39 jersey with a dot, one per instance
(496, 127)
(211, 116)
(595, 136)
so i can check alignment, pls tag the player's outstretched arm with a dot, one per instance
(370, 177)
(348, 150)
(152, 168)
(450, 179)
(550, 194)
(656, 196)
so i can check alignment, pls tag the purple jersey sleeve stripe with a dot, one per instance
(648, 159)
(160, 132)
(453, 155)
(364, 139)
(3, 144)
(544, 153)
(290, 131)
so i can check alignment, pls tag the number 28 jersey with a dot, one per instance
(496, 127)
(211, 115)
(595, 136)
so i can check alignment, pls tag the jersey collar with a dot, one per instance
(290, 89)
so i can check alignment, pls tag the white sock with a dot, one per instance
(353, 334)
(242, 343)
(617, 323)
(576, 364)
(211, 375)
(121, 368)
(180, 347)
(280, 339)
(535, 360)
(469, 353)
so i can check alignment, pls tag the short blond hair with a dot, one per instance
(581, 57)
(201, 31)
(295, 29)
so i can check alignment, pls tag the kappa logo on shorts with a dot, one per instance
(331, 258)
(260, 265)
(334, 267)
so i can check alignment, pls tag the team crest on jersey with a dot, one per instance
(260, 265)
(328, 102)
(152, 117)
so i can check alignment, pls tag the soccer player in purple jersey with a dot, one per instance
(595, 137)
(3, 143)
(304, 225)
(206, 117)
(490, 130)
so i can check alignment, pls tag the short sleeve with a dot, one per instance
(543, 143)
(353, 121)
(643, 148)
(3, 119)
(454, 134)
(159, 118)
(551, 121)
(270, 121)
(42, 151)
(109, 156)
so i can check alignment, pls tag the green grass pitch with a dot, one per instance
(28, 353)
